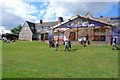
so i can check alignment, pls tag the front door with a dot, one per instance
(72, 36)
(42, 37)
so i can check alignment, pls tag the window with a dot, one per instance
(96, 38)
(28, 35)
(102, 38)
(72, 36)
(96, 30)
(102, 30)
(32, 27)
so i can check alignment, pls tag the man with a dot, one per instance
(66, 45)
(84, 39)
(56, 45)
(114, 41)
(69, 44)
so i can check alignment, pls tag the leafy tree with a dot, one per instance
(16, 30)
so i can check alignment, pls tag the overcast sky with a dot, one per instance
(15, 12)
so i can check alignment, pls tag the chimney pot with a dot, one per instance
(60, 19)
(40, 21)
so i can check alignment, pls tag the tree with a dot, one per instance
(16, 30)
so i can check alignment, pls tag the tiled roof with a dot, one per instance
(89, 15)
(37, 26)
(84, 17)
(40, 27)
(108, 20)
(105, 19)
(31, 25)
(50, 24)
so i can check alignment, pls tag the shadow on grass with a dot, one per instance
(72, 50)
(75, 49)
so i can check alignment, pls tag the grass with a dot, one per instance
(37, 60)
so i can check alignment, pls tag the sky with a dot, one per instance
(16, 12)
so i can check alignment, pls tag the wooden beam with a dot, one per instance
(77, 33)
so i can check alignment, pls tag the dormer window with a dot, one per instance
(32, 27)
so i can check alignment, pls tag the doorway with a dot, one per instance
(72, 36)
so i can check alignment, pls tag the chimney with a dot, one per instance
(60, 19)
(101, 16)
(40, 21)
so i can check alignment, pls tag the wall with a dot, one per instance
(25, 33)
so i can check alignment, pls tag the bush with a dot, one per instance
(10, 36)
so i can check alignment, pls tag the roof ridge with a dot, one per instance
(88, 13)
(30, 22)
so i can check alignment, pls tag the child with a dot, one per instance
(56, 45)
(66, 45)
(69, 44)
(84, 39)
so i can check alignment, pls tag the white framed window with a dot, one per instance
(32, 27)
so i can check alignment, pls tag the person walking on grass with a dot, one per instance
(69, 44)
(114, 41)
(66, 45)
(84, 39)
(56, 45)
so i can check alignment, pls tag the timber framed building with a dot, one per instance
(98, 30)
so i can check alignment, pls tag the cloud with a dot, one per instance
(16, 12)
(71, 0)
(67, 9)
(3, 30)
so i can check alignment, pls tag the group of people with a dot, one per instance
(84, 41)
(55, 44)
(7, 40)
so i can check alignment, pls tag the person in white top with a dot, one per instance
(56, 45)
(114, 41)
(66, 45)
(84, 39)
(81, 40)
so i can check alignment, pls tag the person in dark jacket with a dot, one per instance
(114, 42)
(69, 44)
(56, 45)
(66, 45)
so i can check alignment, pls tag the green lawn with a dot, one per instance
(37, 60)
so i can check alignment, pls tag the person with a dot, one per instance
(4, 39)
(63, 42)
(114, 41)
(66, 45)
(84, 40)
(87, 40)
(69, 44)
(50, 43)
(56, 45)
(80, 40)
